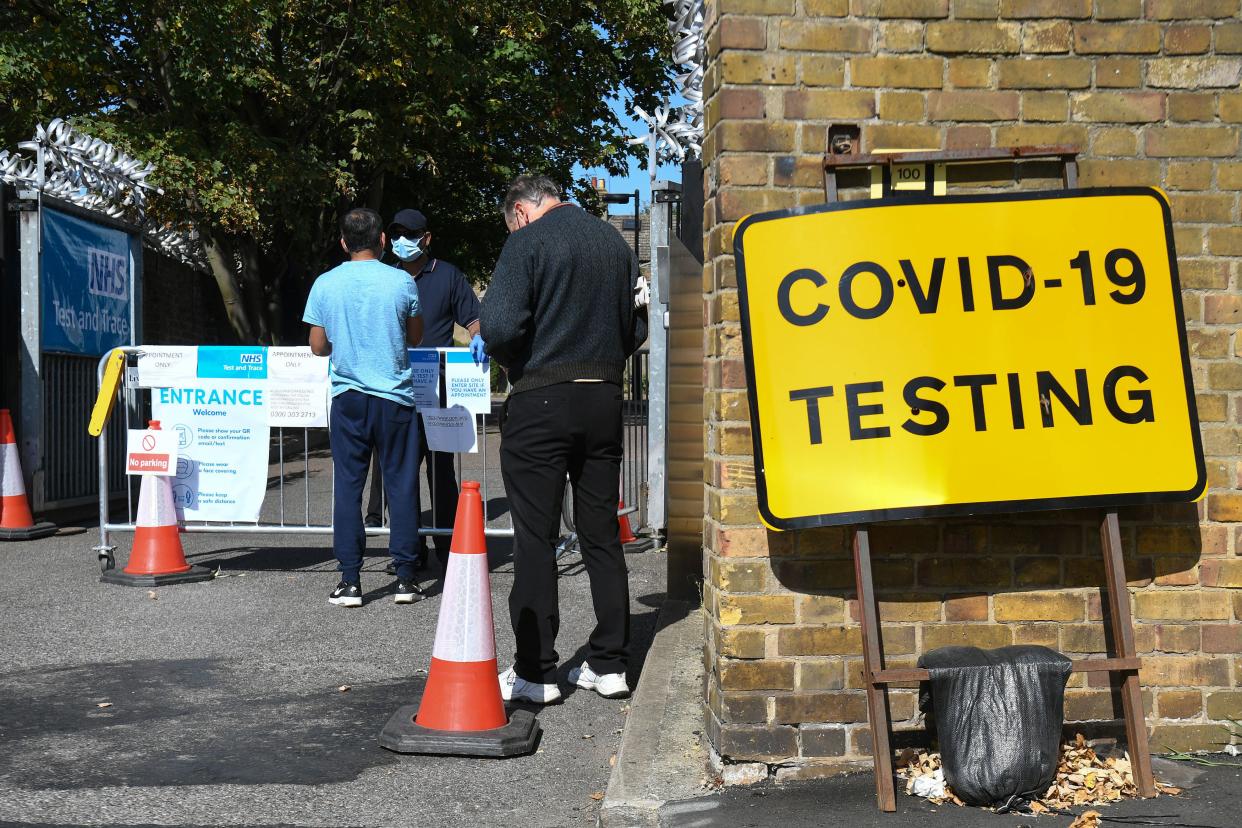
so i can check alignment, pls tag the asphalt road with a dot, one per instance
(225, 702)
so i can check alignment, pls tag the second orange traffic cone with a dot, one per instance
(629, 541)
(157, 557)
(461, 712)
(16, 522)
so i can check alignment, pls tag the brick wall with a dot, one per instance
(1149, 91)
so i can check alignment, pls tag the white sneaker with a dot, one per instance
(513, 686)
(609, 685)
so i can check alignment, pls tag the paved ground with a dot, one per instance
(223, 699)
(850, 801)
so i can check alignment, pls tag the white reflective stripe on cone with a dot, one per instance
(11, 483)
(155, 502)
(464, 631)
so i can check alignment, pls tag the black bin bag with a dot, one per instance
(998, 715)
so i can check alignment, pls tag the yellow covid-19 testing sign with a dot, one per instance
(966, 354)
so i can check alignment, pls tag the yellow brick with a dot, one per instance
(987, 636)
(974, 38)
(1124, 107)
(901, 106)
(970, 73)
(756, 609)
(901, 36)
(1182, 671)
(1120, 173)
(1118, 73)
(1190, 175)
(901, 8)
(897, 72)
(801, 34)
(1016, 136)
(900, 136)
(1044, 73)
(1045, 106)
(1116, 39)
(820, 609)
(821, 70)
(1182, 605)
(1046, 38)
(1076, 9)
(1108, 141)
(1039, 607)
(807, 641)
(1195, 73)
(748, 67)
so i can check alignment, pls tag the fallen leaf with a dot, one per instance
(151, 594)
(588, 736)
(104, 704)
(597, 796)
(1088, 819)
(344, 688)
(612, 761)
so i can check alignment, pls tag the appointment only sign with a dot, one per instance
(966, 354)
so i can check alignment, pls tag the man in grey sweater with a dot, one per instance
(561, 316)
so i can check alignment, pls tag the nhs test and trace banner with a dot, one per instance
(87, 282)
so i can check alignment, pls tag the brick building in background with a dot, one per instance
(1148, 92)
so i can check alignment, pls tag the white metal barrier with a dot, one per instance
(299, 457)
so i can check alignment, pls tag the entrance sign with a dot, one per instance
(222, 436)
(966, 354)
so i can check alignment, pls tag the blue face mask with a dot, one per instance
(407, 250)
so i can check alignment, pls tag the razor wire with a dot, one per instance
(93, 174)
(676, 132)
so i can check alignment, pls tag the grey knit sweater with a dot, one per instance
(560, 306)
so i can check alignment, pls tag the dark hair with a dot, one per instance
(360, 229)
(533, 188)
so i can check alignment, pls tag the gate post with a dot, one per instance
(657, 361)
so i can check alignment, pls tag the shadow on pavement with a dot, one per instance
(185, 722)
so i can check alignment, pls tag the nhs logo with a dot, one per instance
(107, 274)
(220, 362)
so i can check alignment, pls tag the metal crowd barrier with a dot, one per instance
(298, 456)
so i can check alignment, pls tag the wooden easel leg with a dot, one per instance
(1123, 636)
(877, 703)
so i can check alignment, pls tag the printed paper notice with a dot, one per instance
(222, 440)
(151, 452)
(450, 429)
(297, 388)
(467, 384)
(167, 366)
(425, 365)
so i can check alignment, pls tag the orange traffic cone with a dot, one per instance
(630, 542)
(461, 712)
(16, 522)
(157, 557)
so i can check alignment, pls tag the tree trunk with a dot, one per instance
(220, 259)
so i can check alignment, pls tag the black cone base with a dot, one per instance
(118, 576)
(518, 738)
(40, 530)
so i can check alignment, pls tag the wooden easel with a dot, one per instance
(1126, 662)
(875, 676)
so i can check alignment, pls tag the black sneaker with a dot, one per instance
(346, 595)
(372, 522)
(408, 592)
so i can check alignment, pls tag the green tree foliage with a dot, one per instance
(266, 119)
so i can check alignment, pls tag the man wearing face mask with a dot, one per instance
(446, 299)
(563, 313)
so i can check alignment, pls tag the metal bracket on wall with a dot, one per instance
(939, 161)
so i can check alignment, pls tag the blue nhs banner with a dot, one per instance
(87, 285)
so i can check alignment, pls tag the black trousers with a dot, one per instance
(575, 429)
(441, 483)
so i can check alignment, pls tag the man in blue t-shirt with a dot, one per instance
(363, 314)
(447, 300)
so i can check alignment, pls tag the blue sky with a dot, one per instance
(637, 178)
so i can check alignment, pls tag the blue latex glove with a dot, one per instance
(476, 350)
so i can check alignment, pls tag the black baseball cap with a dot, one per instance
(411, 220)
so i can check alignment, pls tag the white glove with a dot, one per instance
(642, 293)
